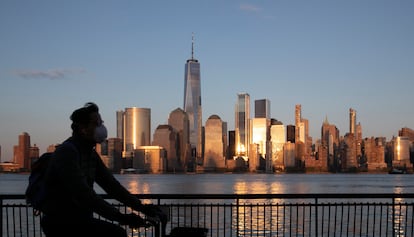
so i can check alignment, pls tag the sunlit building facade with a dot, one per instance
(166, 137)
(352, 121)
(214, 155)
(260, 134)
(302, 138)
(136, 129)
(401, 152)
(242, 125)
(299, 127)
(289, 155)
(277, 141)
(149, 159)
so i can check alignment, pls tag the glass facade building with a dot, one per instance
(260, 134)
(352, 121)
(242, 124)
(136, 129)
(192, 102)
(298, 123)
(262, 108)
(401, 151)
(277, 141)
(119, 124)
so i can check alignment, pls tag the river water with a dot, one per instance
(244, 183)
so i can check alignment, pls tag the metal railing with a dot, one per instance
(240, 215)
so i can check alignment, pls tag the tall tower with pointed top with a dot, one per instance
(352, 121)
(192, 102)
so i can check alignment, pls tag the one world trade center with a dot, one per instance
(192, 102)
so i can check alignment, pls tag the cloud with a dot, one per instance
(52, 74)
(249, 8)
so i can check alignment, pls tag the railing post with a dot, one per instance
(316, 216)
(237, 217)
(1, 216)
(393, 216)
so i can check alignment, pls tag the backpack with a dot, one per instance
(36, 189)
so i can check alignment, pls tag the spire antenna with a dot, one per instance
(192, 45)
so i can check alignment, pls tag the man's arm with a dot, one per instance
(106, 180)
(114, 188)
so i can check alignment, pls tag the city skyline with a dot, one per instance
(326, 56)
(139, 120)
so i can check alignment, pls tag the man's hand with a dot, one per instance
(134, 221)
(154, 213)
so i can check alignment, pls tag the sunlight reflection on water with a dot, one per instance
(244, 183)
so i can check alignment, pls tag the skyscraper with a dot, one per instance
(22, 151)
(262, 108)
(401, 152)
(260, 133)
(178, 120)
(299, 128)
(356, 130)
(260, 125)
(119, 124)
(352, 121)
(277, 141)
(192, 101)
(290, 133)
(214, 157)
(329, 142)
(165, 136)
(242, 124)
(137, 127)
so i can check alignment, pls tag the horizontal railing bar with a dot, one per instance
(255, 196)
(279, 196)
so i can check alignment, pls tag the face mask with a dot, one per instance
(100, 134)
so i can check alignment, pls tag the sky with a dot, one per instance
(327, 55)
